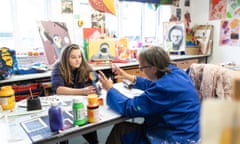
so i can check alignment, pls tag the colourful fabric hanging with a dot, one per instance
(106, 6)
(152, 1)
(8, 62)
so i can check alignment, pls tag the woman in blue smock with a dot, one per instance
(169, 104)
(70, 76)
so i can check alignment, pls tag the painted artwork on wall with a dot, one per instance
(102, 49)
(55, 37)
(217, 9)
(233, 8)
(174, 36)
(221, 9)
(90, 34)
(229, 32)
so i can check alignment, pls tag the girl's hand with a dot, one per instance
(88, 90)
(107, 83)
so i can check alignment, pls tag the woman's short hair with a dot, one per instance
(157, 57)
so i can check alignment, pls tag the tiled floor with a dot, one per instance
(102, 135)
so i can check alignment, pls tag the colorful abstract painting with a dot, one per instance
(229, 32)
(233, 8)
(217, 9)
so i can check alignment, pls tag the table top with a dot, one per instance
(13, 132)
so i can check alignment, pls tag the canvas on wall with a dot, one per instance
(90, 34)
(174, 36)
(55, 37)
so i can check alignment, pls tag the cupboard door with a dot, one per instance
(133, 70)
(184, 64)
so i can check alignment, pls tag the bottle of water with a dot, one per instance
(55, 117)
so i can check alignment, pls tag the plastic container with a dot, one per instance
(55, 117)
(92, 100)
(79, 117)
(7, 98)
(34, 103)
(93, 108)
(93, 113)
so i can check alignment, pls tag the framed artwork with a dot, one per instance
(204, 34)
(55, 37)
(67, 6)
(174, 36)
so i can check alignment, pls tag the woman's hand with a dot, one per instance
(120, 73)
(107, 83)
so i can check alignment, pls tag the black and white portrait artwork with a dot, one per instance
(174, 36)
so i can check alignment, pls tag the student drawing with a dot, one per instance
(175, 36)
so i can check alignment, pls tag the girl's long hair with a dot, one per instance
(65, 68)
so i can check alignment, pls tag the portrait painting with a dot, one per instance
(55, 37)
(174, 36)
(102, 49)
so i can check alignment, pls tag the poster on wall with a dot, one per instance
(66, 6)
(217, 9)
(55, 37)
(174, 36)
(233, 8)
(229, 32)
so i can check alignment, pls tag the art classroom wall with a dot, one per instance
(221, 54)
